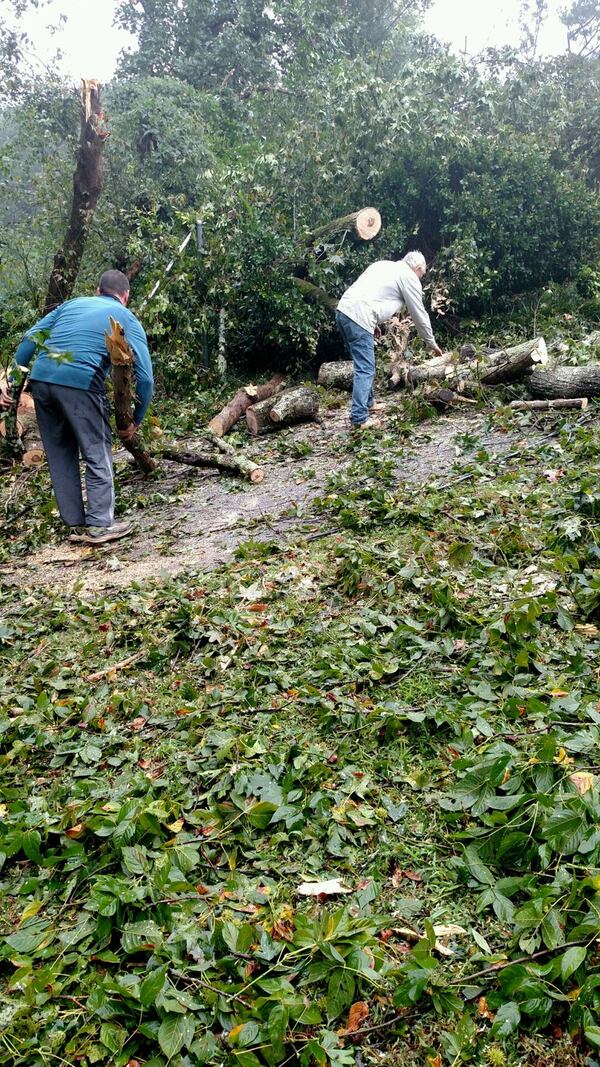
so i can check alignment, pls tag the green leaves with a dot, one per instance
(175, 1032)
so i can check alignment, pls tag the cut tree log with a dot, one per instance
(87, 185)
(363, 225)
(258, 418)
(122, 361)
(338, 375)
(511, 364)
(496, 368)
(568, 382)
(580, 402)
(295, 405)
(229, 464)
(239, 404)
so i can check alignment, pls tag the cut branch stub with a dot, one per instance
(123, 376)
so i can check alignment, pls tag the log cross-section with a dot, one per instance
(122, 361)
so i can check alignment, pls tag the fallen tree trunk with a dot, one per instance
(295, 405)
(239, 404)
(496, 368)
(313, 292)
(229, 464)
(580, 402)
(338, 375)
(87, 185)
(567, 382)
(300, 404)
(363, 225)
(122, 361)
(511, 364)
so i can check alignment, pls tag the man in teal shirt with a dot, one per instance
(68, 376)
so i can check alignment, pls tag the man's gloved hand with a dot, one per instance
(127, 434)
(6, 399)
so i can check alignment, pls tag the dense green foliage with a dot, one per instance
(266, 123)
(403, 707)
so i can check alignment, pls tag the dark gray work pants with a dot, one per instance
(75, 422)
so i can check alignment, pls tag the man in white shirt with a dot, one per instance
(381, 291)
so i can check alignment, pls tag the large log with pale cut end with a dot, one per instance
(568, 382)
(122, 361)
(579, 403)
(338, 375)
(239, 404)
(363, 225)
(258, 418)
(496, 368)
(295, 405)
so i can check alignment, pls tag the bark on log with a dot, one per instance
(364, 225)
(295, 405)
(259, 420)
(567, 382)
(123, 377)
(338, 375)
(229, 464)
(239, 404)
(510, 364)
(313, 292)
(580, 403)
(497, 368)
(87, 186)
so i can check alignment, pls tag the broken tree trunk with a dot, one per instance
(338, 375)
(87, 185)
(364, 225)
(579, 402)
(567, 382)
(295, 405)
(229, 464)
(123, 377)
(239, 404)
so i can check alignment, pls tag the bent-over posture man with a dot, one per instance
(68, 377)
(381, 291)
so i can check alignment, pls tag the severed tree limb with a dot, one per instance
(122, 361)
(295, 405)
(364, 226)
(314, 293)
(243, 399)
(229, 464)
(258, 418)
(580, 403)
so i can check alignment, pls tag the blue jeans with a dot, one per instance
(361, 346)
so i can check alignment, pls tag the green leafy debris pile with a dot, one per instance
(337, 803)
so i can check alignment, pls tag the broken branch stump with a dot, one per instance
(122, 361)
(364, 225)
(243, 399)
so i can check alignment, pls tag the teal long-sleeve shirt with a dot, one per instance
(77, 331)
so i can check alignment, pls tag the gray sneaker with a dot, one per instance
(98, 535)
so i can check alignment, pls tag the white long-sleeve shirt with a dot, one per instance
(381, 291)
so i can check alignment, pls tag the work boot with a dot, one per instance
(368, 424)
(98, 535)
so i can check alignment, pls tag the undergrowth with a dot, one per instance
(409, 707)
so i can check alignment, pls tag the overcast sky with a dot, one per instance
(91, 44)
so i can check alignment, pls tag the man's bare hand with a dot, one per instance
(126, 435)
(377, 333)
(437, 351)
(6, 400)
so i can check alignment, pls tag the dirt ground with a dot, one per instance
(200, 517)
